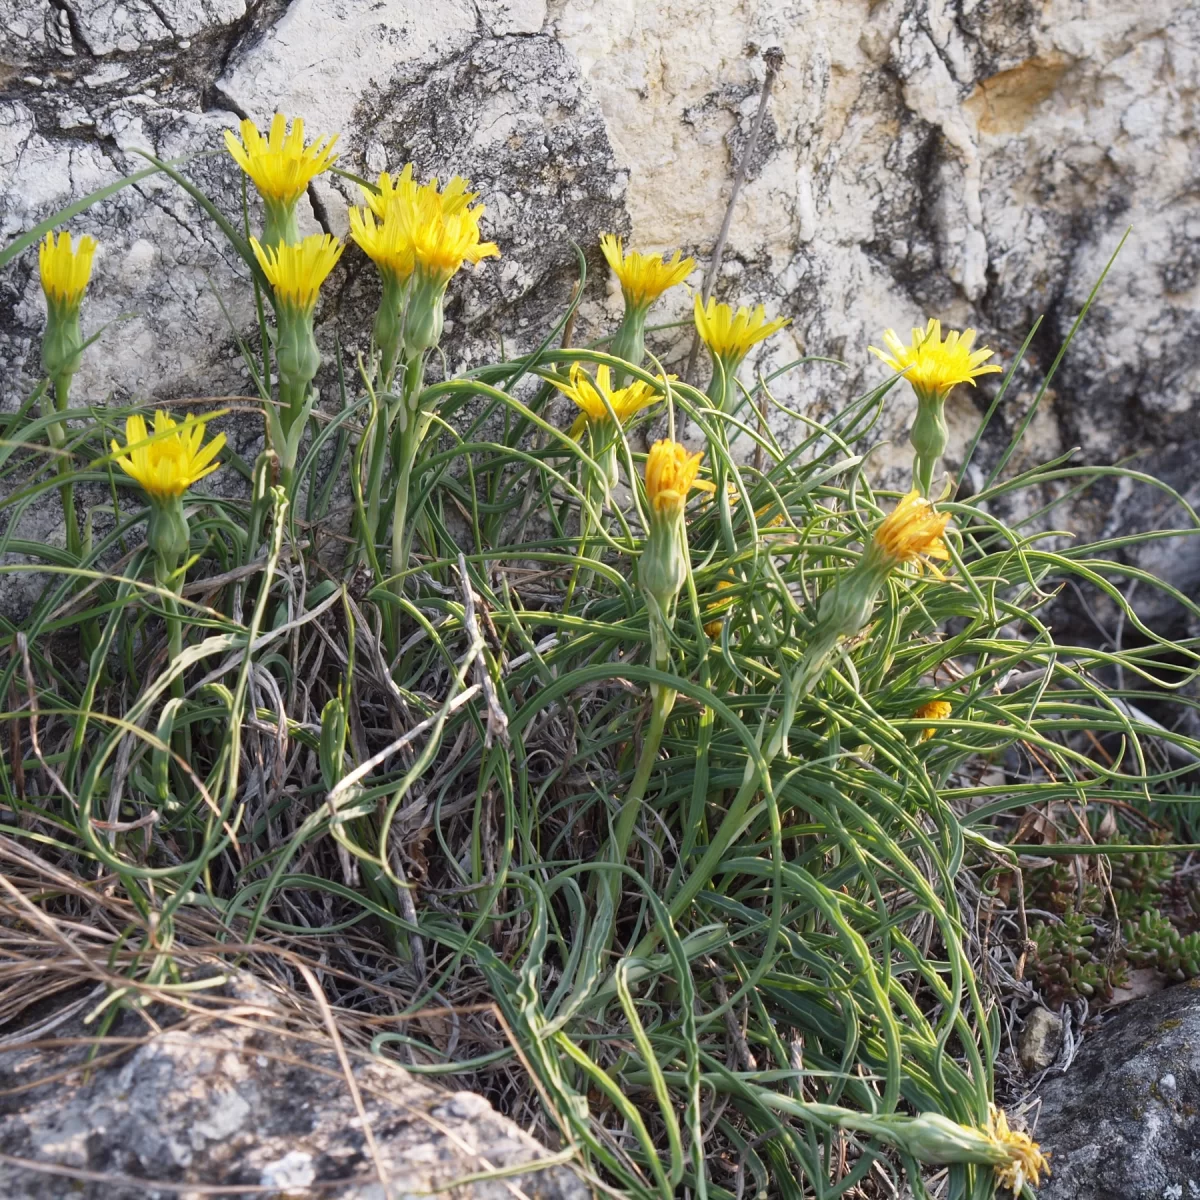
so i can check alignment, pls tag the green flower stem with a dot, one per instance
(170, 580)
(724, 508)
(660, 709)
(414, 426)
(580, 577)
(805, 677)
(379, 453)
(174, 624)
(402, 468)
(66, 489)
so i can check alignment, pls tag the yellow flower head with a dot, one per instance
(913, 531)
(443, 232)
(934, 366)
(167, 465)
(297, 272)
(403, 190)
(729, 335)
(644, 277)
(932, 710)
(717, 607)
(670, 474)
(1026, 1160)
(590, 395)
(385, 243)
(280, 164)
(65, 269)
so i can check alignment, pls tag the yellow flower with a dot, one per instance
(386, 244)
(932, 710)
(1026, 1160)
(913, 532)
(297, 272)
(403, 190)
(589, 394)
(730, 335)
(65, 269)
(167, 465)
(280, 164)
(713, 628)
(644, 277)
(934, 366)
(442, 237)
(670, 474)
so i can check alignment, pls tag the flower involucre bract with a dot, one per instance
(280, 164)
(589, 394)
(670, 474)
(170, 463)
(913, 532)
(932, 710)
(65, 269)
(297, 272)
(730, 335)
(644, 277)
(934, 366)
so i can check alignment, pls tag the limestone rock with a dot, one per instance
(1123, 1123)
(1041, 1040)
(978, 160)
(235, 1101)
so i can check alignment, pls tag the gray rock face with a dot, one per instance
(236, 1102)
(978, 160)
(1124, 1122)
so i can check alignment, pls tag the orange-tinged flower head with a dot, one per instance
(297, 272)
(644, 277)
(716, 608)
(590, 394)
(168, 463)
(932, 710)
(65, 269)
(730, 335)
(280, 164)
(934, 366)
(913, 532)
(1027, 1162)
(670, 474)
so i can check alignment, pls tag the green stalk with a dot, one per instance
(379, 452)
(660, 710)
(171, 581)
(579, 577)
(409, 444)
(66, 489)
(796, 686)
(411, 435)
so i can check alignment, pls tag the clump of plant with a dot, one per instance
(670, 793)
(1136, 913)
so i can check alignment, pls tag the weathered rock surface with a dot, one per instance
(236, 1102)
(1124, 1122)
(974, 159)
